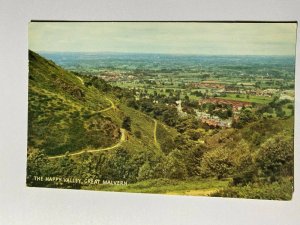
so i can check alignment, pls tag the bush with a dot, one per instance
(216, 163)
(276, 157)
(138, 134)
(145, 172)
(282, 190)
(174, 166)
(127, 123)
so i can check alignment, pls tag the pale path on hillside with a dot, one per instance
(154, 133)
(122, 139)
(112, 106)
(81, 80)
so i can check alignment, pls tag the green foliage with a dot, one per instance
(69, 112)
(126, 123)
(118, 164)
(87, 168)
(145, 172)
(187, 124)
(276, 156)
(61, 111)
(170, 117)
(223, 162)
(217, 163)
(138, 134)
(281, 190)
(191, 186)
(165, 138)
(174, 166)
(37, 165)
(98, 83)
(244, 170)
(246, 116)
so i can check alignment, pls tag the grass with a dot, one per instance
(62, 111)
(195, 187)
(252, 98)
(65, 115)
(287, 110)
(282, 190)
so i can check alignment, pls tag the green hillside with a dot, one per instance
(69, 113)
(82, 127)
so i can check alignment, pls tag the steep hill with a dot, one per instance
(67, 113)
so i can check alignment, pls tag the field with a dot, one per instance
(248, 98)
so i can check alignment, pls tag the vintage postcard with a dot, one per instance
(177, 108)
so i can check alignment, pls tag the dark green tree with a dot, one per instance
(276, 157)
(174, 166)
(126, 123)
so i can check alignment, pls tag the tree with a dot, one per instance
(246, 116)
(99, 83)
(217, 163)
(194, 134)
(37, 165)
(174, 166)
(170, 116)
(66, 166)
(126, 123)
(276, 157)
(87, 168)
(244, 170)
(237, 162)
(192, 158)
(118, 166)
(132, 103)
(145, 172)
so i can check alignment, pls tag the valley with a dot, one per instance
(170, 124)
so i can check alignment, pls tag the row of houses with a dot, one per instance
(207, 85)
(236, 105)
(257, 92)
(213, 121)
(232, 89)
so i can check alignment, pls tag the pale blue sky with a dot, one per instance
(170, 38)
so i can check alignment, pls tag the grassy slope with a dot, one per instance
(254, 133)
(60, 111)
(64, 113)
(196, 187)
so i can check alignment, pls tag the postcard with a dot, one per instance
(174, 108)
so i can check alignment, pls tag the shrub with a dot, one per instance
(282, 190)
(276, 157)
(174, 166)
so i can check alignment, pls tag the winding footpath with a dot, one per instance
(155, 133)
(122, 139)
(112, 106)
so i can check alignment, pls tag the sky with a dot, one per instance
(169, 38)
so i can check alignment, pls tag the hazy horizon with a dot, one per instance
(176, 38)
(154, 53)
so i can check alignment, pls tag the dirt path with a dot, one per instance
(81, 80)
(122, 139)
(112, 106)
(155, 134)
